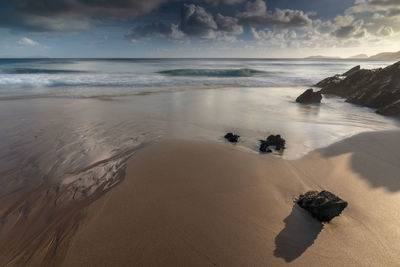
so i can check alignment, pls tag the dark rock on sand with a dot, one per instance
(273, 140)
(377, 88)
(322, 205)
(309, 96)
(264, 147)
(233, 138)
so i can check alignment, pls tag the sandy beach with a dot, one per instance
(193, 203)
(199, 133)
(118, 162)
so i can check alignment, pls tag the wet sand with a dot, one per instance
(193, 203)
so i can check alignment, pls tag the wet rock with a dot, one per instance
(309, 96)
(322, 205)
(329, 81)
(272, 141)
(233, 138)
(376, 88)
(390, 110)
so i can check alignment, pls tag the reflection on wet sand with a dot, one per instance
(59, 154)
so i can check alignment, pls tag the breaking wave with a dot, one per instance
(212, 72)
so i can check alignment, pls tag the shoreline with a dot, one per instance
(200, 207)
(34, 231)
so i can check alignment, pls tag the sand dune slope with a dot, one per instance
(189, 203)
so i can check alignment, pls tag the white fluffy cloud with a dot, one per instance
(362, 6)
(385, 31)
(282, 27)
(27, 41)
(257, 14)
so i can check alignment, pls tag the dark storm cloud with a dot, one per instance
(226, 2)
(155, 29)
(353, 30)
(394, 12)
(196, 21)
(228, 24)
(257, 14)
(344, 32)
(87, 7)
(58, 15)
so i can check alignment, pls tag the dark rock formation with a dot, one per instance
(233, 138)
(309, 96)
(322, 205)
(272, 141)
(351, 71)
(390, 110)
(329, 81)
(378, 88)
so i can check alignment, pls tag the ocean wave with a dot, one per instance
(37, 71)
(212, 72)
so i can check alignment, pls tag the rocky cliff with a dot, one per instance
(377, 88)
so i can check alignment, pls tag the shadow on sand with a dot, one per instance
(299, 234)
(382, 148)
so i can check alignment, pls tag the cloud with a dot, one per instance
(277, 38)
(228, 24)
(378, 16)
(362, 6)
(84, 7)
(196, 21)
(344, 32)
(343, 20)
(256, 8)
(27, 41)
(226, 2)
(384, 2)
(62, 15)
(385, 31)
(394, 12)
(352, 30)
(257, 14)
(156, 30)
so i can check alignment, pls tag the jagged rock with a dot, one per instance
(273, 140)
(377, 88)
(329, 81)
(352, 71)
(390, 110)
(309, 96)
(322, 205)
(233, 138)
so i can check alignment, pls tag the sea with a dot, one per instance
(78, 120)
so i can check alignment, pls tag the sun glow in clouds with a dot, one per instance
(224, 28)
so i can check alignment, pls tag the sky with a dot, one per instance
(198, 28)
